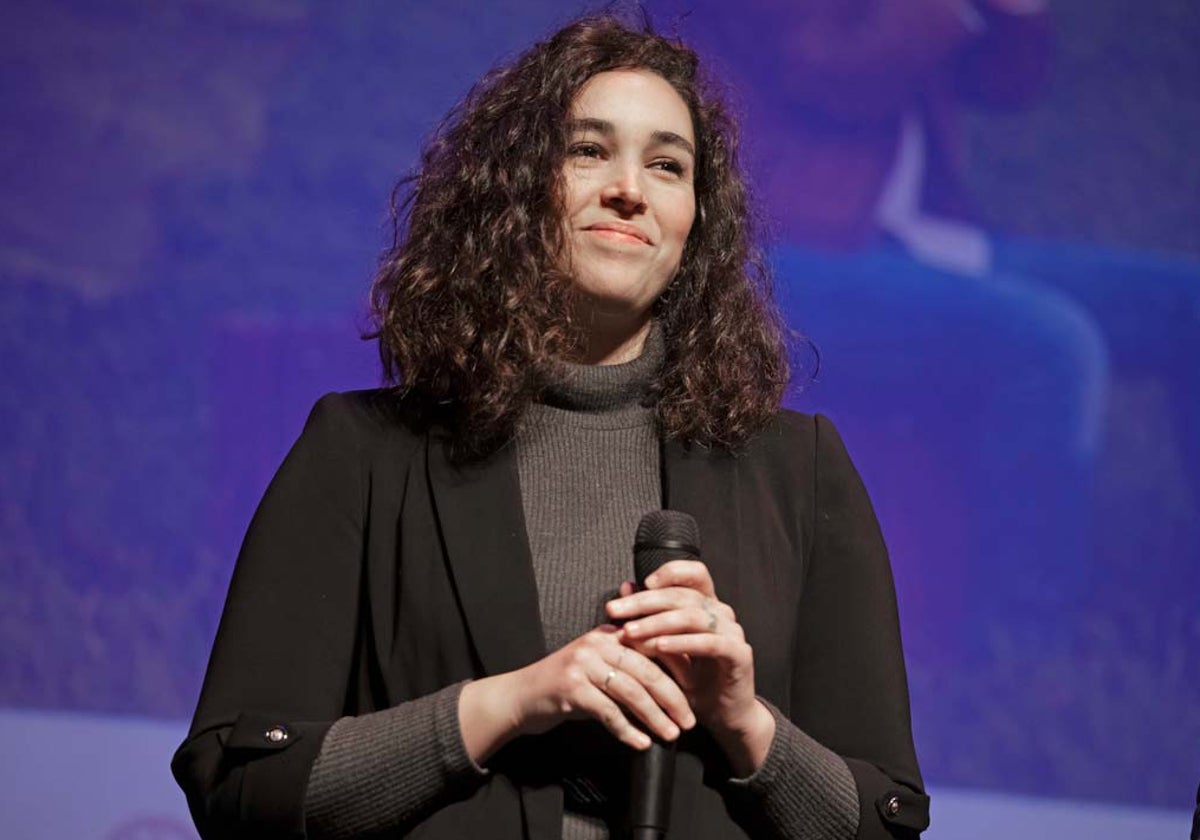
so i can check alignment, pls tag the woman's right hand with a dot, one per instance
(595, 676)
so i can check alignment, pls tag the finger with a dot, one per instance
(658, 683)
(691, 574)
(633, 696)
(694, 619)
(679, 666)
(705, 645)
(627, 588)
(604, 709)
(652, 601)
(644, 649)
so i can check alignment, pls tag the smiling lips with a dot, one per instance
(620, 232)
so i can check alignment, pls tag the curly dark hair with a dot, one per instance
(472, 304)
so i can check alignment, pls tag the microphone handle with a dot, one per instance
(652, 778)
(662, 535)
(645, 832)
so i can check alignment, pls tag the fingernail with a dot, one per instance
(652, 580)
(631, 628)
(672, 732)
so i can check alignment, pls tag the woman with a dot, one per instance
(420, 634)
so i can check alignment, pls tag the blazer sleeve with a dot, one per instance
(849, 688)
(280, 665)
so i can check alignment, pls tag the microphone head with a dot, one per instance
(664, 535)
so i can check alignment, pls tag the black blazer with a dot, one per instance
(375, 571)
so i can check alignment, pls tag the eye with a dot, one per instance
(668, 165)
(587, 150)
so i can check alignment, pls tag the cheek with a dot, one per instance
(577, 193)
(679, 220)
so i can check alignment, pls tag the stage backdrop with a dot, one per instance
(192, 199)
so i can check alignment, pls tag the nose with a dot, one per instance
(624, 192)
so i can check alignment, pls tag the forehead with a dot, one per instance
(635, 101)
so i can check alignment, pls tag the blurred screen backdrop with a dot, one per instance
(985, 221)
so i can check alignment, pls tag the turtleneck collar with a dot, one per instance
(603, 389)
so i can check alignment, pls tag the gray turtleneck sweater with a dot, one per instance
(588, 462)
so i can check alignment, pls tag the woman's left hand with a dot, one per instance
(679, 620)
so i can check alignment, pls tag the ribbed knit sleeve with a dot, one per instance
(378, 771)
(805, 791)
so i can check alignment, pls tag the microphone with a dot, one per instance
(662, 535)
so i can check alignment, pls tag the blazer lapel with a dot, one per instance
(482, 524)
(705, 483)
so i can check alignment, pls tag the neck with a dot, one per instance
(614, 340)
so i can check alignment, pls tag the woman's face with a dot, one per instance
(629, 192)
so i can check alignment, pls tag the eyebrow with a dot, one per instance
(668, 138)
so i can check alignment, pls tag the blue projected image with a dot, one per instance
(986, 229)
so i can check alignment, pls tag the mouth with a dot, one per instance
(619, 232)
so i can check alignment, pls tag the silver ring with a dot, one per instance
(612, 672)
(712, 616)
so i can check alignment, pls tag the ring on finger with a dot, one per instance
(612, 672)
(706, 605)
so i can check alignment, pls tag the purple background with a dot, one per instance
(192, 195)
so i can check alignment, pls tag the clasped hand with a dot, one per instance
(678, 620)
(679, 658)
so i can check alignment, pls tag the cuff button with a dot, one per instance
(276, 734)
(892, 806)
